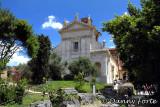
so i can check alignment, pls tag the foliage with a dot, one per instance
(15, 34)
(82, 65)
(19, 91)
(11, 93)
(58, 96)
(40, 65)
(82, 68)
(56, 67)
(137, 38)
(80, 81)
(7, 92)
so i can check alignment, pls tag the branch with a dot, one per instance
(13, 52)
(8, 48)
(4, 45)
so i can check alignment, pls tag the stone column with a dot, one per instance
(94, 89)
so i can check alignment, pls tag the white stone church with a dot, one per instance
(80, 38)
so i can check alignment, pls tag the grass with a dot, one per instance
(51, 85)
(31, 98)
(27, 100)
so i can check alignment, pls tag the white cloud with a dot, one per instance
(52, 23)
(125, 13)
(18, 59)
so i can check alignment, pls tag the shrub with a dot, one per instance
(11, 93)
(7, 92)
(58, 96)
(80, 81)
(82, 65)
(19, 91)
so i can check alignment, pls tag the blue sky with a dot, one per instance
(36, 12)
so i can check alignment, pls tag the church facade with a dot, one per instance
(80, 39)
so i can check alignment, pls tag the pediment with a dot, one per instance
(75, 26)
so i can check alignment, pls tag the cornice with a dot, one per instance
(65, 28)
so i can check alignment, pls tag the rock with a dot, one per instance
(70, 90)
(86, 98)
(74, 103)
(45, 103)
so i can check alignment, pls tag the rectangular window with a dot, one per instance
(75, 46)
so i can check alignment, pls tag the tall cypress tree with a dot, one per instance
(40, 65)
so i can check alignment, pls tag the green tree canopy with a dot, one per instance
(14, 34)
(82, 65)
(40, 65)
(56, 67)
(137, 38)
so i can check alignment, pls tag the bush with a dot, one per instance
(68, 77)
(11, 93)
(7, 93)
(19, 91)
(82, 65)
(58, 96)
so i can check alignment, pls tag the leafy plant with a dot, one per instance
(58, 96)
(12, 93)
(7, 92)
(19, 91)
(80, 81)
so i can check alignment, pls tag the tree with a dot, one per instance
(82, 68)
(15, 34)
(137, 38)
(82, 65)
(39, 65)
(56, 67)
